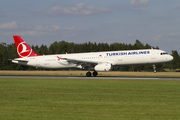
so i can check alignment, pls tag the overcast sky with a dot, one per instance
(156, 22)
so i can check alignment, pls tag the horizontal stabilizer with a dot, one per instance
(20, 59)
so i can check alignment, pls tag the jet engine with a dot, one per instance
(103, 67)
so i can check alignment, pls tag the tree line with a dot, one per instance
(9, 52)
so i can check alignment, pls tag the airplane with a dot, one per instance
(93, 61)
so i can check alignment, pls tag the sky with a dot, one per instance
(153, 22)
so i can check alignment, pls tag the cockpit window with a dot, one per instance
(163, 53)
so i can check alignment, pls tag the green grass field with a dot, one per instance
(31, 99)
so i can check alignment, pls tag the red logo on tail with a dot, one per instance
(24, 50)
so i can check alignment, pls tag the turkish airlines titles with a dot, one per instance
(128, 53)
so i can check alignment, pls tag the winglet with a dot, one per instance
(23, 48)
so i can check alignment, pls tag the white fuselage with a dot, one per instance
(116, 58)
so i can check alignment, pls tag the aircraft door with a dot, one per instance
(37, 62)
(153, 54)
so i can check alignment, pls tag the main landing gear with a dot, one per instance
(95, 73)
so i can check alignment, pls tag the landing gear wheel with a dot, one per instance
(95, 73)
(88, 74)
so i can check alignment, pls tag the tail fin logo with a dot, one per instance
(24, 50)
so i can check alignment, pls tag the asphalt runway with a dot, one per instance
(90, 78)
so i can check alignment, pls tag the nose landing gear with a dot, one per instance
(154, 67)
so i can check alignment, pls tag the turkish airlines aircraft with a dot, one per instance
(95, 61)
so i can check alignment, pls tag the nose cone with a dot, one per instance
(170, 58)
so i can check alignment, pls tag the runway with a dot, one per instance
(89, 78)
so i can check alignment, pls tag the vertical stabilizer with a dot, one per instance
(23, 48)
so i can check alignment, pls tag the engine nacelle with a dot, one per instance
(103, 67)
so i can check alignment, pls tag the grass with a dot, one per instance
(31, 99)
(83, 73)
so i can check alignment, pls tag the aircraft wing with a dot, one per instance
(77, 61)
